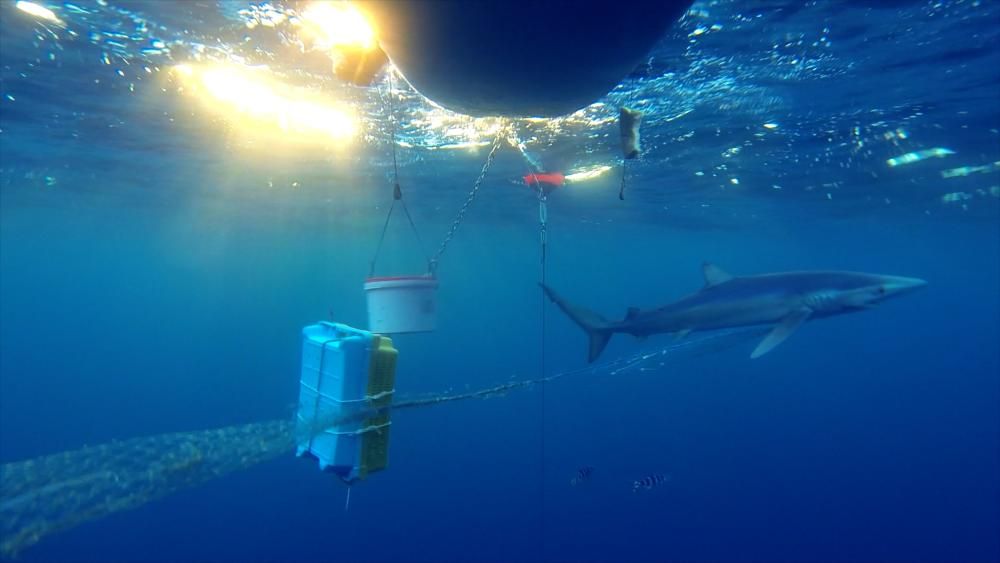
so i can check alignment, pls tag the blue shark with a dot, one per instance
(784, 300)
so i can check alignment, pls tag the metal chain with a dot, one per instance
(433, 262)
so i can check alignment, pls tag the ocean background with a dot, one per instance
(156, 271)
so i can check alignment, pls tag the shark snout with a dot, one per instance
(898, 285)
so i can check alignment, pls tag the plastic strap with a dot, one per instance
(359, 431)
(366, 398)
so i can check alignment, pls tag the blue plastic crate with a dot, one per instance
(335, 366)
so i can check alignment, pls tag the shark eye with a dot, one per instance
(881, 290)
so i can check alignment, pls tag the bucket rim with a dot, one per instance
(421, 278)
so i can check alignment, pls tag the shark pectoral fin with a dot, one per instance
(780, 332)
(714, 275)
(680, 334)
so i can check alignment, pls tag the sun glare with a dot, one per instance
(255, 99)
(587, 173)
(337, 24)
(37, 10)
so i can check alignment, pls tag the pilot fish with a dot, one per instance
(582, 475)
(649, 482)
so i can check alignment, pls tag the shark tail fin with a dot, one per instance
(597, 327)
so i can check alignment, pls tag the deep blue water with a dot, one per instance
(155, 275)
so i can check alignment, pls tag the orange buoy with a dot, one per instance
(546, 181)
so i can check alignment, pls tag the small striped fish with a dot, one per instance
(649, 482)
(582, 475)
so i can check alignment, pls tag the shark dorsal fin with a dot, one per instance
(714, 275)
(631, 313)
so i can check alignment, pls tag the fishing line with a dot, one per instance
(543, 218)
(397, 190)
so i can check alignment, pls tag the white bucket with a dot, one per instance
(401, 304)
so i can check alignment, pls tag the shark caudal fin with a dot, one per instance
(594, 325)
